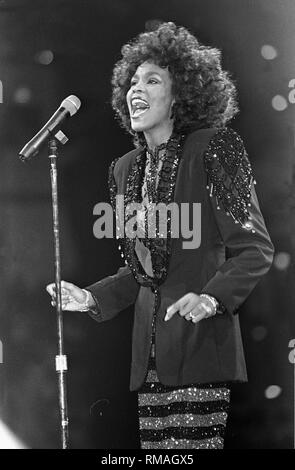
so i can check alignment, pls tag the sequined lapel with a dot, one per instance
(160, 248)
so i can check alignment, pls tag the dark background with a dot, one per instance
(85, 38)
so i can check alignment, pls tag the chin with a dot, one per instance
(138, 128)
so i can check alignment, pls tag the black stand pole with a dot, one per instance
(61, 358)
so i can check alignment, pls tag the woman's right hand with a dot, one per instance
(72, 297)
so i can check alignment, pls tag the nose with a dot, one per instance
(137, 87)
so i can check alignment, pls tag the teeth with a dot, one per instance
(138, 101)
(139, 106)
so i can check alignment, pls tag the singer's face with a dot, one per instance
(150, 98)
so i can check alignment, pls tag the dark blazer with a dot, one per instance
(228, 264)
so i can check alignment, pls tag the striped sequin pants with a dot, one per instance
(190, 417)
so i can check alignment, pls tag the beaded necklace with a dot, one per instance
(154, 164)
(151, 180)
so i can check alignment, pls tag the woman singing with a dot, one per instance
(172, 96)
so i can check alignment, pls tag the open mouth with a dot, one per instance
(138, 107)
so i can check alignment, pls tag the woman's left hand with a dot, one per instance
(192, 307)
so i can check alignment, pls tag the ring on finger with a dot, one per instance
(191, 315)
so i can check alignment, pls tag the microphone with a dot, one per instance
(68, 107)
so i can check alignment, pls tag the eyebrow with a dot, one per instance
(147, 74)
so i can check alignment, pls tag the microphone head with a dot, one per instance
(71, 104)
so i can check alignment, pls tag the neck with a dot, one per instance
(158, 136)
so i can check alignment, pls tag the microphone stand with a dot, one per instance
(61, 358)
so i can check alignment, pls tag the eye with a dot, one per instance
(153, 81)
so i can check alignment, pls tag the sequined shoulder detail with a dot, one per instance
(229, 175)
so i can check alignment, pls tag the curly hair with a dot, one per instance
(205, 95)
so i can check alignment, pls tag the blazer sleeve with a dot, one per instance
(113, 294)
(117, 292)
(231, 190)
